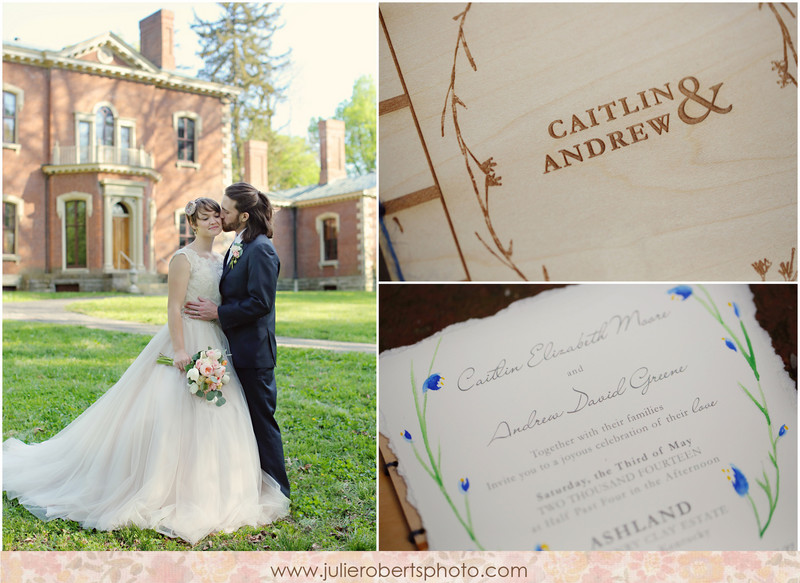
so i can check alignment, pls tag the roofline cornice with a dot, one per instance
(136, 59)
(163, 79)
(95, 168)
(368, 193)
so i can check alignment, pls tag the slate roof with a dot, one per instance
(337, 188)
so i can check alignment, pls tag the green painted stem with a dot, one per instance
(715, 313)
(434, 470)
(755, 511)
(750, 357)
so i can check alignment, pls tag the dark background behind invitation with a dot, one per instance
(409, 313)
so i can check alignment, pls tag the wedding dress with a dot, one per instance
(150, 453)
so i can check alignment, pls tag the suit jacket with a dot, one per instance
(247, 313)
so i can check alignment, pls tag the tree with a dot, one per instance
(358, 114)
(292, 162)
(237, 50)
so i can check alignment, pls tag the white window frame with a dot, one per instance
(125, 123)
(61, 206)
(198, 130)
(91, 119)
(9, 88)
(120, 123)
(320, 221)
(15, 257)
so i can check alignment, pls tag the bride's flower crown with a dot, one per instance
(191, 206)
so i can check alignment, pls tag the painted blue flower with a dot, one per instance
(735, 307)
(730, 344)
(464, 484)
(784, 428)
(406, 435)
(680, 290)
(433, 383)
(738, 480)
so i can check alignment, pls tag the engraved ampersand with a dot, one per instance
(691, 94)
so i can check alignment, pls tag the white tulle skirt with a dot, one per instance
(149, 453)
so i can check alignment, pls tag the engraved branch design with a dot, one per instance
(473, 164)
(786, 269)
(788, 46)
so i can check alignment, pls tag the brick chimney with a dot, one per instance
(331, 150)
(255, 164)
(156, 37)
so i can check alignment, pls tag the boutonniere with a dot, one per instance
(236, 252)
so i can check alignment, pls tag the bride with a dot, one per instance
(148, 452)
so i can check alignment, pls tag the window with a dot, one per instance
(188, 127)
(186, 235)
(84, 141)
(9, 228)
(328, 232)
(104, 124)
(75, 233)
(12, 106)
(74, 209)
(125, 144)
(329, 238)
(9, 117)
(103, 137)
(186, 143)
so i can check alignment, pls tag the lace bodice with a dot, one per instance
(204, 280)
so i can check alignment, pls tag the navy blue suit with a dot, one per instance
(247, 316)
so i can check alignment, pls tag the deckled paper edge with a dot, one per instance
(410, 497)
(786, 382)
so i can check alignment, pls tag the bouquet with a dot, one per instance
(205, 374)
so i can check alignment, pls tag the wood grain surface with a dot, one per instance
(583, 142)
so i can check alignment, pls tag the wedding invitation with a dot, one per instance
(599, 417)
(578, 142)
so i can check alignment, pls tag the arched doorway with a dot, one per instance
(121, 199)
(121, 226)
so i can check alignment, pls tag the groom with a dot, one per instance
(247, 315)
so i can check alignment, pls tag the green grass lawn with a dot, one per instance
(329, 315)
(326, 408)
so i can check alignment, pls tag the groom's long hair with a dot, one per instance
(249, 199)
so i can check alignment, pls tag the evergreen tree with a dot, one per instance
(237, 50)
(358, 114)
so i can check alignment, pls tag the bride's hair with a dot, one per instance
(200, 204)
(250, 200)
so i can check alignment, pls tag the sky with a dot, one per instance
(332, 44)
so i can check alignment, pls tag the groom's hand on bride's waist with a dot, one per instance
(202, 309)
